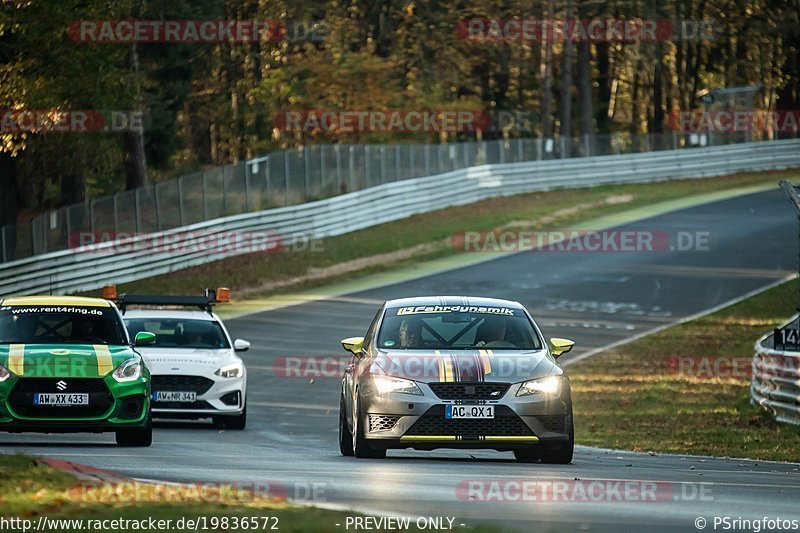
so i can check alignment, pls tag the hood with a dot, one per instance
(63, 360)
(503, 366)
(191, 360)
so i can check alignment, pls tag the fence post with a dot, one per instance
(158, 207)
(91, 216)
(3, 242)
(367, 169)
(266, 181)
(338, 152)
(352, 163)
(246, 187)
(411, 169)
(116, 217)
(286, 176)
(136, 210)
(383, 163)
(205, 197)
(224, 193)
(180, 201)
(397, 166)
(306, 172)
(427, 154)
(323, 169)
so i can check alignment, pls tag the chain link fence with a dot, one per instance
(297, 176)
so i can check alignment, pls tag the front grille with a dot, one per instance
(553, 423)
(469, 390)
(197, 384)
(504, 424)
(382, 422)
(22, 395)
(200, 404)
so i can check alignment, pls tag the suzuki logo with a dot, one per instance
(495, 393)
(61, 385)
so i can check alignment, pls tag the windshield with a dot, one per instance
(60, 325)
(180, 333)
(456, 327)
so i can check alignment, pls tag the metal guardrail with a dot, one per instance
(776, 380)
(305, 174)
(75, 270)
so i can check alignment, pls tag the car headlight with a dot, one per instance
(4, 373)
(387, 384)
(129, 370)
(235, 370)
(550, 386)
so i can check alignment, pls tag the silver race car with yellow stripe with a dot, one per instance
(456, 372)
(67, 365)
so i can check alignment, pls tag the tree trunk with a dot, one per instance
(585, 89)
(547, 80)
(133, 141)
(8, 206)
(566, 89)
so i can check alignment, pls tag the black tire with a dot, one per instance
(237, 422)
(361, 447)
(345, 436)
(563, 454)
(138, 437)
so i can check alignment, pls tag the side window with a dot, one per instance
(372, 327)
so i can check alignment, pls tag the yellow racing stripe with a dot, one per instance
(16, 358)
(104, 364)
(487, 363)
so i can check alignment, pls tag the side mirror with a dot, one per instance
(144, 338)
(240, 345)
(355, 345)
(560, 346)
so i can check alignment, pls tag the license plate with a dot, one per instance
(43, 398)
(173, 396)
(469, 411)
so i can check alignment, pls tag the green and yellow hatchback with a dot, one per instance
(67, 365)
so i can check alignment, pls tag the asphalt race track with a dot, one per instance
(596, 299)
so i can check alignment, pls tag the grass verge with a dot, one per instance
(30, 489)
(426, 236)
(686, 389)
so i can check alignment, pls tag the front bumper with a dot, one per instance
(113, 406)
(398, 420)
(215, 396)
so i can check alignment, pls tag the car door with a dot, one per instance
(354, 368)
